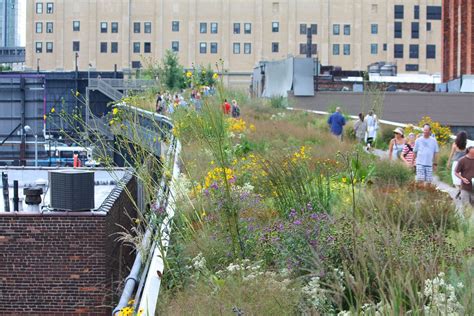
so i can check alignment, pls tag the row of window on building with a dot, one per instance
(413, 52)
(433, 12)
(40, 7)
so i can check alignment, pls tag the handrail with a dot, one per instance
(149, 287)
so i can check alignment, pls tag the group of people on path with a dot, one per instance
(421, 154)
(365, 128)
(231, 109)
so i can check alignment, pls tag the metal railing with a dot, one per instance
(123, 84)
(109, 90)
(143, 282)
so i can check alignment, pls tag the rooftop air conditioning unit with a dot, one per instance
(71, 190)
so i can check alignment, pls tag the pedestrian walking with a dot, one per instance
(360, 128)
(336, 123)
(426, 152)
(408, 155)
(226, 107)
(159, 103)
(235, 109)
(465, 172)
(397, 143)
(458, 150)
(372, 127)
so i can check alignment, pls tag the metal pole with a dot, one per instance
(36, 150)
(6, 197)
(15, 196)
(23, 134)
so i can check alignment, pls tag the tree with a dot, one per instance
(171, 73)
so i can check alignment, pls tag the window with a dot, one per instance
(136, 27)
(335, 49)
(147, 27)
(76, 26)
(411, 67)
(275, 7)
(374, 49)
(136, 64)
(304, 46)
(433, 12)
(103, 27)
(415, 30)
(247, 48)
(303, 28)
(414, 50)
(374, 29)
(147, 47)
(347, 29)
(398, 51)
(114, 47)
(39, 8)
(136, 47)
(175, 26)
(175, 46)
(49, 27)
(275, 27)
(398, 30)
(39, 27)
(202, 48)
(103, 47)
(347, 49)
(335, 29)
(213, 48)
(430, 51)
(236, 28)
(374, 8)
(385, 47)
(428, 26)
(417, 12)
(275, 47)
(76, 46)
(39, 47)
(236, 48)
(203, 28)
(214, 28)
(114, 27)
(399, 12)
(248, 28)
(49, 47)
(314, 29)
(49, 8)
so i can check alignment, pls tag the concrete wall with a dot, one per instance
(449, 109)
(63, 263)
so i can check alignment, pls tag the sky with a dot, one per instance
(22, 21)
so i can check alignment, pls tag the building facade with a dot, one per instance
(458, 38)
(9, 23)
(128, 33)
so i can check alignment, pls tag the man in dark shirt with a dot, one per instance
(336, 122)
(465, 172)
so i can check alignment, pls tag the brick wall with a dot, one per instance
(62, 263)
(458, 38)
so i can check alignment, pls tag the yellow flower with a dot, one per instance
(131, 302)
(215, 76)
(203, 213)
(111, 122)
(344, 180)
(115, 111)
(53, 110)
(189, 74)
(137, 221)
(77, 93)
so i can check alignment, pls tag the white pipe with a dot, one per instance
(151, 289)
(36, 150)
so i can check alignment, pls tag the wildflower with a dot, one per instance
(137, 221)
(53, 110)
(77, 93)
(115, 111)
(189, 74)
(344, 180)
(215, 76)
(131, 302)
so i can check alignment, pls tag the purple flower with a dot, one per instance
(314, 216)
(214, 186)
(297, 222)
(309, 207)
(293, 213)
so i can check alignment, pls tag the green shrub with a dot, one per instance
(392, 173)
(278, 102)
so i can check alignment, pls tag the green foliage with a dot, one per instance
(171, 73)
(202, 76)
(278, 102)
(392, 173)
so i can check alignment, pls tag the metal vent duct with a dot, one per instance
(71, 190)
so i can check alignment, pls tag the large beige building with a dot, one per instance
(348, 33)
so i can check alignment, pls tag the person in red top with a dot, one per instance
(226, 107)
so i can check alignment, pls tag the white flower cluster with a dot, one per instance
(182, 185)
(315, 297)
(198, 262)
(441, 297)
(278, 116)
(252, 271)
(370, 309)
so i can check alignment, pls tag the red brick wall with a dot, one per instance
(62, 263)
(458, 15)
